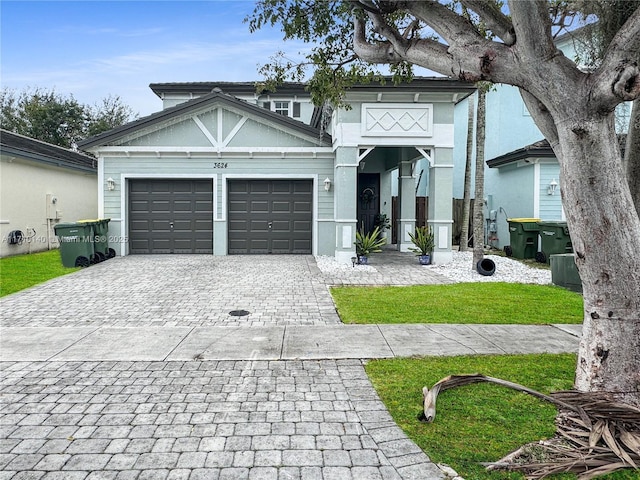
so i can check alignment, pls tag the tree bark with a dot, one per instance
(632, 154)
(604, 230)
(466, 196)
(478, 204)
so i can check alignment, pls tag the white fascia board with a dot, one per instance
(208, 151)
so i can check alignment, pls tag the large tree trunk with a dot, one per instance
(466, 196)
(604, 230)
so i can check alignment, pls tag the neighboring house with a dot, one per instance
(522, 174)
(223, 169)
(41, 185)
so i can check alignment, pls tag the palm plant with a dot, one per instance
(367, 243)
(423, 240)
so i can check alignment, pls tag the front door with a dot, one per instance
(368, 200)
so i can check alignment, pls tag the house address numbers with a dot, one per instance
(220, 165)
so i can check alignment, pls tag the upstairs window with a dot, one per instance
(284, 107)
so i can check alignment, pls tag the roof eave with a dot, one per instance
(520, 154)
(157, 117)
(52, 161)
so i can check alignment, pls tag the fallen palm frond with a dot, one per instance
(595, 435)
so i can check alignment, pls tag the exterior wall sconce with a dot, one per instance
(551, 189)
(327, 184)
(111, 184)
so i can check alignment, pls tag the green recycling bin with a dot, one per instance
(523, 233)
(100, 229)
(555, 239)
(76, 244)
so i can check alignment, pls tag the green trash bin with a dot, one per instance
(555, 239)
(76, 245)
(100, 229)
(523, 233)
(564, 272)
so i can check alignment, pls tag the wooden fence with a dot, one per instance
(422, 209)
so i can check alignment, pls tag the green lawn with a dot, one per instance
(24, 271)
(484, 303)
(481, 422)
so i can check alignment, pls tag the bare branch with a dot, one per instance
(381, 52)
(452, 27)
(495, 20)
(532, 25)
(542, 117)
(626, 43)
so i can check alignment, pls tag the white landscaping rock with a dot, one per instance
(459, 270)
(509, 270)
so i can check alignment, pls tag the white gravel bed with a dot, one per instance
(459, 270)
(329, 266)
(507, 270)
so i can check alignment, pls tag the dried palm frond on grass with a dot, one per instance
(594, 434)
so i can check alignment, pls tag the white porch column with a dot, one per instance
(440, 216)
(407, 208)
(345, 202)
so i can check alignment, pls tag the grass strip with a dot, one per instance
(476, 423)
(23, 271)
(478, 303)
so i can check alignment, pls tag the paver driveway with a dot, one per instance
(189, 420)
(186, 290)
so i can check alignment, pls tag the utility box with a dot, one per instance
(555, 239)
(564, 272)
(53, 209)
(523, 235)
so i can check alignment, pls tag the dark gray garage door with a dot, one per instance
(170, 216)
(270, 216)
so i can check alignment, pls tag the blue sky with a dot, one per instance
(93, 49)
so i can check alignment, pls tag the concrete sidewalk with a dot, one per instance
(37, 344)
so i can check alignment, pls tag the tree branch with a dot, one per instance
(532, 25)
(542, 117)
(618, 77)
(381, 52)
(453, 28)
(495, 20)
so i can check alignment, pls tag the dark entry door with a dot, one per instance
(368, 200)
(170, 216)
(270, 216)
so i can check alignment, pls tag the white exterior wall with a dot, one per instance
(24, 186)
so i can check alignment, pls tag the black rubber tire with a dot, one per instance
(112, 253)
(486, 267)
(82, 262)
(508, 251)
(541, 257)
(99, 257)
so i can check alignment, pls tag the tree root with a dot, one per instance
(595, 435)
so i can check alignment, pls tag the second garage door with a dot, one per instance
(270, 216)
